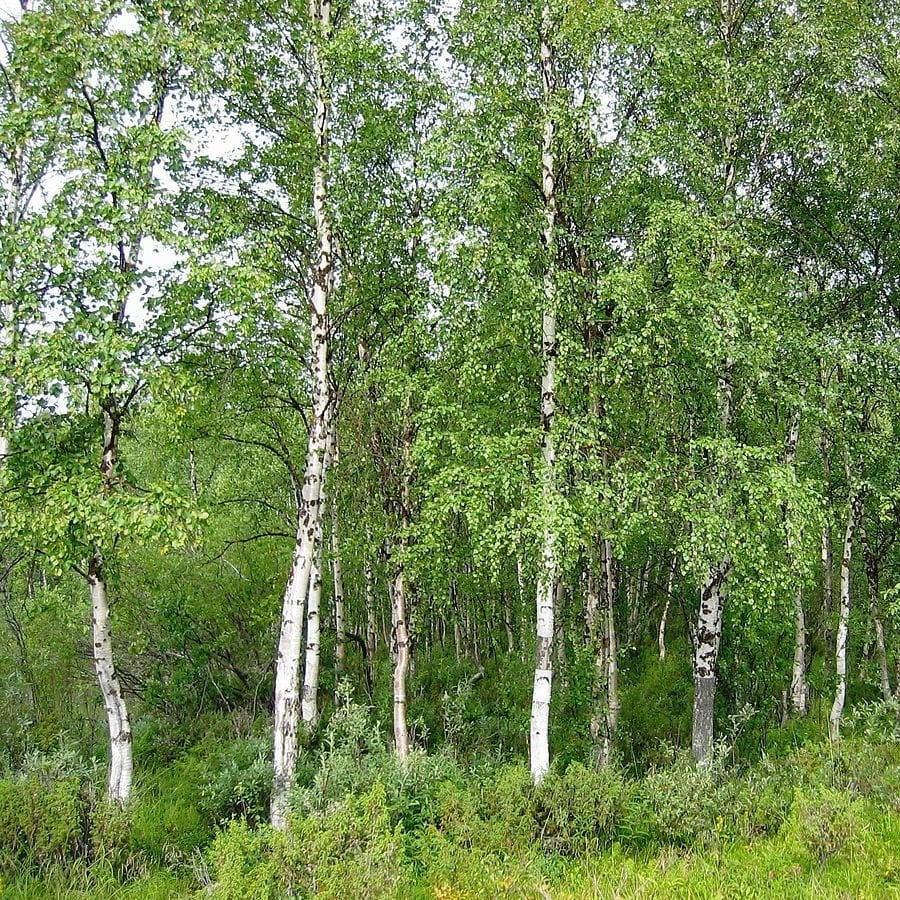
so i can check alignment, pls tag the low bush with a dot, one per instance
(577, 811)
(827, 822)
(45, 812)
(241, 783)
(351, 850)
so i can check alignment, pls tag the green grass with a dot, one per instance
(774, 867)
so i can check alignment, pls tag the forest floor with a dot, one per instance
(819, 822)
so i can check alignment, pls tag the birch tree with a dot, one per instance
(309, 525)
(84, 345)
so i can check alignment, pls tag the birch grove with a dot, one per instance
(471, 388)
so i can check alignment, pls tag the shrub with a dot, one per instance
(351, 850)
(827, 822)
(243, 863)
(45, 811)
(242, 785)
(681, 805)
(577, 811)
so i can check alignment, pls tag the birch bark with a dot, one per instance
(612, 650)
(799, 692)
(661, 637)
(310, 511)
(843, 630)
(399, 622)
(121, 764)
(539, 744)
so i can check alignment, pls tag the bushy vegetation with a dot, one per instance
(818, 818)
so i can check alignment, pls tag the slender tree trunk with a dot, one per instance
(597, 643)
(399, 595)
(612, 649)
(309, 517)
(340, 628)
(309, 695)
(843, 631)
(507, 622)
(371, 622)
(661, 638)
(799, 693)
(121, 765)
(457, 630)
(799, 686)
(546, 585)
(872, 580)
(287, 667)
(709, 619)
(400, 652)
(827, 550)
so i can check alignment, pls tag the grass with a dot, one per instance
(774, 867)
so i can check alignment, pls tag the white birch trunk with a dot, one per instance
(309, 694)
(310, 513)
(661, 637)
(612, 650)
(400, 633)
(287, 666)
(799, 692)
(843, 630)
(539, 743)
(399, 595)
(121, 765)
(799, 686)
(709, 622)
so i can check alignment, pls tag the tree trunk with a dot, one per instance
(400, 634)
(597, 643)
(799, 687)
(309, 695)
(661, 638)
(121, 764)
(507, 621)
(612, 649)
(539, 743)
(371, 622)
(709, 623)
(310, 513)
(843, 631)
(399, 595)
